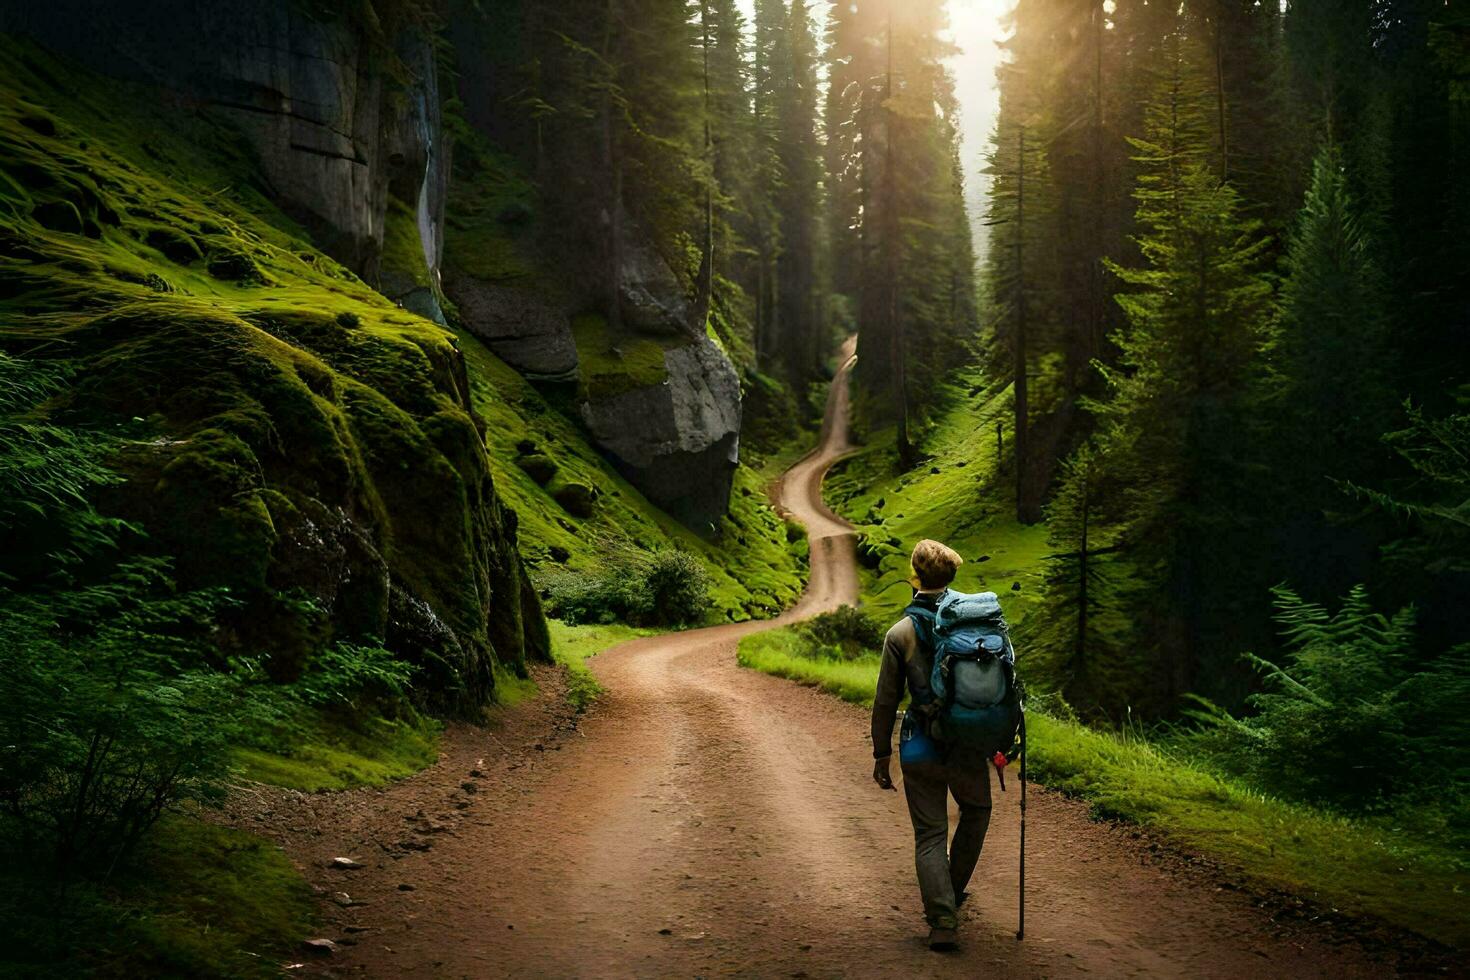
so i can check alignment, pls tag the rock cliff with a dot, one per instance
(344, 116)
(345, 125)
(290, 435)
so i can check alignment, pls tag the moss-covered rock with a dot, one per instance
(295, 437)
(539, 467)
(577, 499)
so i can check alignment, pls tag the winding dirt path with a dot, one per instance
(707, 820)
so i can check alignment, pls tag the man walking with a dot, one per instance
(934, 772)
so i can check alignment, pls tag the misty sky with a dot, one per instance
(974, 27)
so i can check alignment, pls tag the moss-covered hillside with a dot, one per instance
(289, 434)
(756, 565)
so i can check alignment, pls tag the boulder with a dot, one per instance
(324, 113)
(576, 499)
(538, 467)
(527, 331)
(678, 441)
(652, 299)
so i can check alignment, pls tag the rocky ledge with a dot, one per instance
(677, 441)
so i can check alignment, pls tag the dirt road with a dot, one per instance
(707, 820)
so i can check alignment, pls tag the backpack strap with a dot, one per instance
(923, 619)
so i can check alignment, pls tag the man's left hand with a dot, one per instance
(880, 772)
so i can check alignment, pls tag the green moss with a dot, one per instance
(329, 752)
(511, 690)
(403, 248)
(265, 374)
(612, 364)
(199, 900)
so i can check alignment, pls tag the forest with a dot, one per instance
(367, 368)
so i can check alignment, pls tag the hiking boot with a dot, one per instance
(943, 939)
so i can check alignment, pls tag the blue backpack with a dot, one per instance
(973, 699)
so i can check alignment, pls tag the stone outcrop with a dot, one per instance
(299, 456)
(334, 132)
(356, 153)
(678, 441)
(652, 299)
(529, 332)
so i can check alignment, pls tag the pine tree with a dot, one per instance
(1171, 430)
(915, 291)
(770, 65)
(1080, 645)
(1333, 327)
(800, 345)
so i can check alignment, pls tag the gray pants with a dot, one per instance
(942, 876)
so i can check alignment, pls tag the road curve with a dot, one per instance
(708, 820)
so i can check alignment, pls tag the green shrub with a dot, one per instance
(667, 588)
(1353, 716)
(108, 716)
(677, 589)
(846, 632)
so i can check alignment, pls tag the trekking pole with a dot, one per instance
(1021, 901)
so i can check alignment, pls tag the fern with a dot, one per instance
(1353, 715)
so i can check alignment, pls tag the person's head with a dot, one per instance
(934, 564)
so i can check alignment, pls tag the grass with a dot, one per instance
(199, 900)
(334, 753)
(782, 653)
(1359, 867)
(573, 645)
(956, 496)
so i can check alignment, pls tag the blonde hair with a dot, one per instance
(934, 564)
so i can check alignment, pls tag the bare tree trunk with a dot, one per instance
(1220, 90)
(1023, 509)
(1096, 314)
(706, 279)
(894, 322)
(612, 162)
(1083, 571)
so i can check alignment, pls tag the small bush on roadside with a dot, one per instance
(667, 588)
(846, 632)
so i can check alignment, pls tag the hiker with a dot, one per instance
(939, 754)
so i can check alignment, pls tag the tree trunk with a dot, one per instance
(1220, 107)
(1084, 572)
(706, 279)
(893, 322)
(1019, 438)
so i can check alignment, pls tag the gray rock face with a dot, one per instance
(527, 331)
(333, 133)
(651, 297)
(679, 441)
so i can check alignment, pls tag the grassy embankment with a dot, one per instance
(1362, 867)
